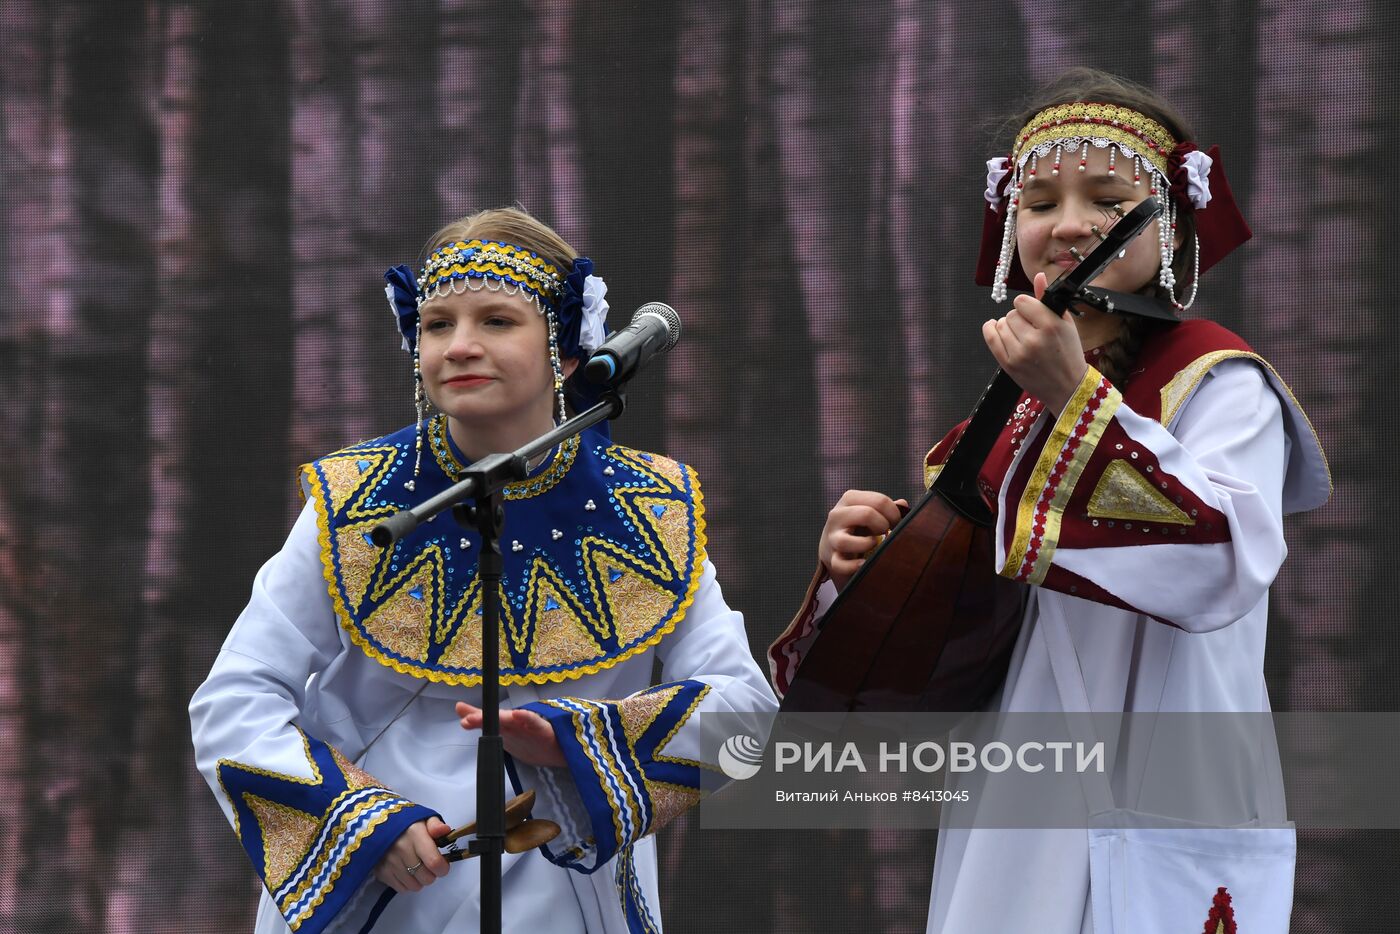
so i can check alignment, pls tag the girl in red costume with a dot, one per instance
(1140, 489)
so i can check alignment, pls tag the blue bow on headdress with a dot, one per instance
(569, 314)
(402, 290)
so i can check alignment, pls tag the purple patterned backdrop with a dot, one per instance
(196, 202)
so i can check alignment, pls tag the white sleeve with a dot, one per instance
(313, 824)
(1183, 525)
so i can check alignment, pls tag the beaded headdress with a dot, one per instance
(573, 304)
(1191, 180)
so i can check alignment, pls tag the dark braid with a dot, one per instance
(1120, 354)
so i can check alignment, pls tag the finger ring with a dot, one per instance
(412, 869)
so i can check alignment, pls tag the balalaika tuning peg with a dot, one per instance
(1101, 302)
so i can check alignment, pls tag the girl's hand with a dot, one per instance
(1037, 348)
(415, 849)
(527, 736)
(855, 525)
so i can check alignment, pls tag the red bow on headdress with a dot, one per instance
(1220, 227)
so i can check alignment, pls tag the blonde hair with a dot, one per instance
(508, 225)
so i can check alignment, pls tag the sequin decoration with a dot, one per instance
(347, 475)
(1123, 493)
(582, 589)
(360, 560)
(401, 620)
(559, 463)
(631, 597)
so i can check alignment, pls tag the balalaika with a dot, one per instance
(927, 623)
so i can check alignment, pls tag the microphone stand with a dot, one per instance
(482, 485)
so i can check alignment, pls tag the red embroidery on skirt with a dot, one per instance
(1222, 916)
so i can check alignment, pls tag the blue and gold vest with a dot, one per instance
(603, 548)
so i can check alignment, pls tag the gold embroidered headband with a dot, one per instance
(1085, 122)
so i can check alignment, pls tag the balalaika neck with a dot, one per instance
(957, 481)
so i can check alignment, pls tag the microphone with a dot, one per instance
(654, 329)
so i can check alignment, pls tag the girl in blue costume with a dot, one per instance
(331, 725)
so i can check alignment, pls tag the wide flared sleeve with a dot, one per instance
(1184, 525)
(313, 824)
(636, 762)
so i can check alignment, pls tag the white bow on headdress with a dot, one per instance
(997, 169)
(1196, 165)
(591, 330)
